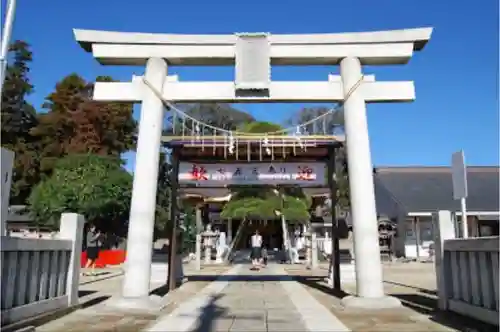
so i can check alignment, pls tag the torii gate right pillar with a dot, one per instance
(369, 283)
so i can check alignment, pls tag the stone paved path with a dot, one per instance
(244, 300)
(96, 317)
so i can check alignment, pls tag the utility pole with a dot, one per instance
(7, 32)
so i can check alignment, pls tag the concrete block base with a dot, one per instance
(355, 302)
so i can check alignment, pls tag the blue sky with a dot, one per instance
(456, 76)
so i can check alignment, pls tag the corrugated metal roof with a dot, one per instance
(428, 189)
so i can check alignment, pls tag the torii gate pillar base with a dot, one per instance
(146, 304)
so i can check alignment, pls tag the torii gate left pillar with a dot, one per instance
(136, 282)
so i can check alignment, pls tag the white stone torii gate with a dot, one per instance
(253, 55)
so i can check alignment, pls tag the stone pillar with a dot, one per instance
(314, 250)
(208, 254)
(198, 252)
(199, 221)
(71, 228)
(370, 291)
(142, 207)
(444, 229)
(308, 246)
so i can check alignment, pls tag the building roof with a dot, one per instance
(428, 189)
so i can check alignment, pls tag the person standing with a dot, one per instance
(256, 254)
(93, 243)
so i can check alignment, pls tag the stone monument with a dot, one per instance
(208, 237)
(221, 247)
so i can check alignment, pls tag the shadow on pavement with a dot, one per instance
(240, 277)
(94, 301)
(314, 282)
(82, 293)
(423, 301)
(206, 321)
(426, 304)
(421, 290)
(209, 315)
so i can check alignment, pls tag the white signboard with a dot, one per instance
(459, 175)
(220, 175)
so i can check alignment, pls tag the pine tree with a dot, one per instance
(18, 119)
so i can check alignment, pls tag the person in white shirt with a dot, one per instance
(256, 255)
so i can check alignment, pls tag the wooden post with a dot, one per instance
(174, 184)
(332, 184)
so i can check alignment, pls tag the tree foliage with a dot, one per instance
(76, 124)
(162, 215)
(219, 115)
(343, 198)
(259, 127)
(94, 186)
(329, 124)
(18, 118)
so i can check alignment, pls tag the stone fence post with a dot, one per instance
(314, 250)
(444, 229)
(198, 252)
(71, 228)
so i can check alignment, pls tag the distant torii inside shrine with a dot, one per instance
(253, 55)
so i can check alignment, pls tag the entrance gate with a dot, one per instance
(252, 55)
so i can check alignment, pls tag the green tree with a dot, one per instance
(75, 124)
(342, 179)
(189, 229)
(218, 115)
(95, 186)
(18, 119)
(162, 215)
(259, 127)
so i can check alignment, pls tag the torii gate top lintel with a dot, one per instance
(372, 48)
(253, 54)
